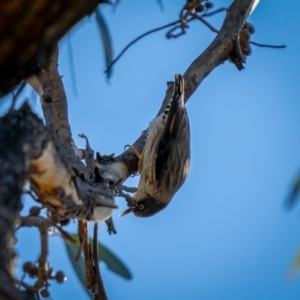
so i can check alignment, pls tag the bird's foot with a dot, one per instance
(140, 156)
(237, 57)
(111, 229)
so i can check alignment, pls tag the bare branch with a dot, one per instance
(100, 294)
(214, 12)
(201, 19)
(169, 34)
(56, 174)
(137, 39)
(83, 239)
(56, 115)
(89, 159)
(42, 225)
(267, 46)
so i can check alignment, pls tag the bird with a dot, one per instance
(165, 159)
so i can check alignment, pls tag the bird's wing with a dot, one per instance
(176, 130)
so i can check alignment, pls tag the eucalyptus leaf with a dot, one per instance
(112, 262)
(78, 266)
(295, 267)
(106, 40)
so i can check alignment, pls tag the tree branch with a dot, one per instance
(100, 294)
(55, 108)
(214, 55)
(267, 45)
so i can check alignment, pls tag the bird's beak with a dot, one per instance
(125, 212)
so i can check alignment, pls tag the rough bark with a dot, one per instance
(29, 29)
(22, 137)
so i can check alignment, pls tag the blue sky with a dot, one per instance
(226, 234)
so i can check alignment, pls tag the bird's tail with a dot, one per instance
(178, 87)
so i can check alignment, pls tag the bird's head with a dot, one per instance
(145, 207)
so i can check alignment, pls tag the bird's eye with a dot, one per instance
(141, 206)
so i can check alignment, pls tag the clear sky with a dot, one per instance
(226, 235)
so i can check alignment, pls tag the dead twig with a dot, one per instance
(201, 19)
(137, 39)
(169, 33)
(89, 159)
(83, 239)
(267, 46)
(100, 293)
(214, 12)
(43, 267)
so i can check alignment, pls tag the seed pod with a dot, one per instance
(45, 293)
(250, 27)
(200, 8)
(209, 5)
(60, 277)
(28, 266)
(248, 51)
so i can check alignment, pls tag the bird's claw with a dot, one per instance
(139, 156)
(237, 57)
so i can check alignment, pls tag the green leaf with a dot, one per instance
(295, 265)
(106, 40)
(78, 266)
(160, 3)
(292, 198)
(112, 262)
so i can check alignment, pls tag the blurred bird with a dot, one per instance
(165, 160)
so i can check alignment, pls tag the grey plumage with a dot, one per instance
(165, 158)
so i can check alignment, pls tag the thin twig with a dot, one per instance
(16, 95)
(21, 280)
(268, 46)
(89, 159)
(209, 14)
(42, 224)
(26, 286)
(201, 19)
(101, 293)
(83, 238)
(43, 268)
(137, 39)
(169, 33)
(158, 29)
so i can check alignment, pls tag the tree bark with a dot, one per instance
(22, 137)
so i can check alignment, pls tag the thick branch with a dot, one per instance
(58, 176)
(55, 108)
